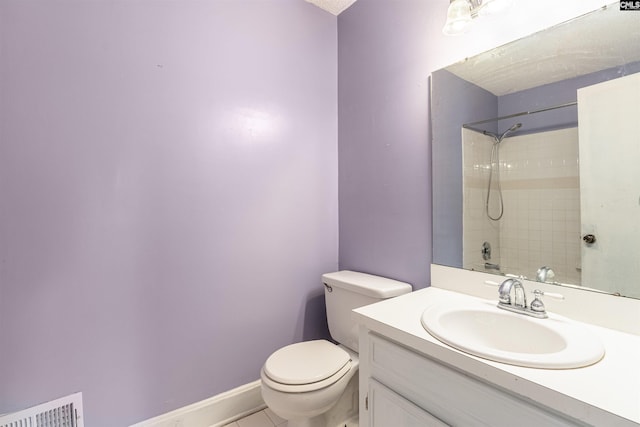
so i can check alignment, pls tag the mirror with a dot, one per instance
(532, 82)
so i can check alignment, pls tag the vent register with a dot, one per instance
(63, 412)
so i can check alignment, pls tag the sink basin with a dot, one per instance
(481, 329)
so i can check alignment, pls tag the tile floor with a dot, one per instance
(264, 418)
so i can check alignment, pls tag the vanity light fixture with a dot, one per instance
(461, 13)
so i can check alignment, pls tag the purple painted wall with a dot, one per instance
(168, 177)
(386, 52)
(384, 149)
(454, 102)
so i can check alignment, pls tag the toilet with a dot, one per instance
(314, 383)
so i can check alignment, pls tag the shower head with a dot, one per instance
(515, 127)
(498, 138)
(508, 131)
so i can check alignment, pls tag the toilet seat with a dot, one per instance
(306, 366)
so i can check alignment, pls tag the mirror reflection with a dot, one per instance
(535, 156)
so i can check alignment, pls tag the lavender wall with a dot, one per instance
(384, 154)
(386, 53)
(168, 176)
(455, 102)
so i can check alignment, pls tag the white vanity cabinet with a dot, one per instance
(402, 388)
(390, 409)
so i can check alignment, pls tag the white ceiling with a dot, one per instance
(597, 41)
(332, 6)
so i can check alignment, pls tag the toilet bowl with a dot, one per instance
(315, 383)
(303, 381)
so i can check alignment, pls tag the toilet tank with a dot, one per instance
(346, 290)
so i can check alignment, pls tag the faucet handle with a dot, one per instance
(538, 306)
(553, 295)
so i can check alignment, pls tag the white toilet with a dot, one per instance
(313, 383)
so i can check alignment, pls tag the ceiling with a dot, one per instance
(597, 41)
(332, 6)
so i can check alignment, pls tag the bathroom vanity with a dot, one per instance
(409, 378)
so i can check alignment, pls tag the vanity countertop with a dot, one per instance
(604, 394)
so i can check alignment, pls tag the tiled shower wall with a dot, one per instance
(541, 193)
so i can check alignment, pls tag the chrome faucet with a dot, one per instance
(490, 266)
(544, 273)
(519, 302)
(520, 299)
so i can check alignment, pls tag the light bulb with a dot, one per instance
(458, 17)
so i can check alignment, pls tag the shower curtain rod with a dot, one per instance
(524, 113)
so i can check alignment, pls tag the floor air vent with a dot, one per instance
(64, 412)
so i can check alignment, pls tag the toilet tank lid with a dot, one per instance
(366, 284)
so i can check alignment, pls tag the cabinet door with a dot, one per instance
(390, 409)
(453, 397)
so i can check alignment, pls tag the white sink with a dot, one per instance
(478, 327)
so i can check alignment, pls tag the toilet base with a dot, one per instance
(318, 421)
(343, 413)
(321, 421)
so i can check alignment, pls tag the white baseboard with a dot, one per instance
(216, 411)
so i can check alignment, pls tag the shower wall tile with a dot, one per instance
(542, 204)
(541, 221)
